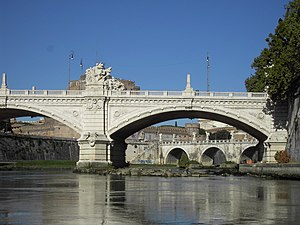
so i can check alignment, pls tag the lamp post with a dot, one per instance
(71, 57)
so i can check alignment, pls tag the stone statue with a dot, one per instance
(98, 75)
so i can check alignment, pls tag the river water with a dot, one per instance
(62, 197)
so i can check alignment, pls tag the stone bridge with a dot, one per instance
(210, 152)
(206, 152)
(105, 114)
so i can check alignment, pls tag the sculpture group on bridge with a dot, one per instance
(99, 75)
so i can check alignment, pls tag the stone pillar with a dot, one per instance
(275, 142)
(3, 89)
(94, 151)
(188, 89)
(94, 145)
(260, 151)
(4, 84)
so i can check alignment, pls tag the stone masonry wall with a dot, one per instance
(20, 147)
(293, 144)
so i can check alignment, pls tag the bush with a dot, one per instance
(183, 161)
(282, 156)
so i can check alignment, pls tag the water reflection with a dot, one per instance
(66, 198)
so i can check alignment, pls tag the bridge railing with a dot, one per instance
(146, 93)
(209, 142)
(141, 93)
(44, 92)
(193, 94)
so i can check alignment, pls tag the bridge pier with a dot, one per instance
(94, 151)
(117, 153)
(275, 142)
(97, 151)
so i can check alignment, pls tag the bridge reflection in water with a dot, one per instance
(66, 198)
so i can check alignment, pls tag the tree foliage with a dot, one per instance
(277, 69)
(220, 135)
(183, 161)
(282, 157)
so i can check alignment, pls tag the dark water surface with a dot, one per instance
(56, 197)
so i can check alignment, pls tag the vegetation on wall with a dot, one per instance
(282, 157)
(277, 69)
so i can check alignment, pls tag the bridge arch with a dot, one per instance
(249, 153)
(130, 123)
(24, 111)
(213, 156)
(174, 154)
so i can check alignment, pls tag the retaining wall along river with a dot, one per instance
(21, 147)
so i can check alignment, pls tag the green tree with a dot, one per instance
(220, 135)
(277, 69)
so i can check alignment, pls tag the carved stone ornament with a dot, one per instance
(99, 75)
(260, 115)
(75, 113)
(91, 138)
(94, 104)
(117, 114)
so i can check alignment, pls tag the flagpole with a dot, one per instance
(71, 57)
(208, 68)
(81, 66)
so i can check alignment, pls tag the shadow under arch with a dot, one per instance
(174, 155)
(250, 153)
(212, 156)
(8, 113)
(138, 123)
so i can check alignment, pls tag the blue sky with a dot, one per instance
(152, 42)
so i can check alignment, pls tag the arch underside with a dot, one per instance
(250, 153)
(8, 113)
(14, 113)
(139, 124)
(213, 156)
(174, 156)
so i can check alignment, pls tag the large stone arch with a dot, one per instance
(20, 111)
(174, 154)
(128, 124)
(213, 155)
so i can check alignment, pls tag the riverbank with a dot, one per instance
(163, 171)
(132, 170)
(264, 170)
(38, 165)
(289, 171)
(273, 170)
